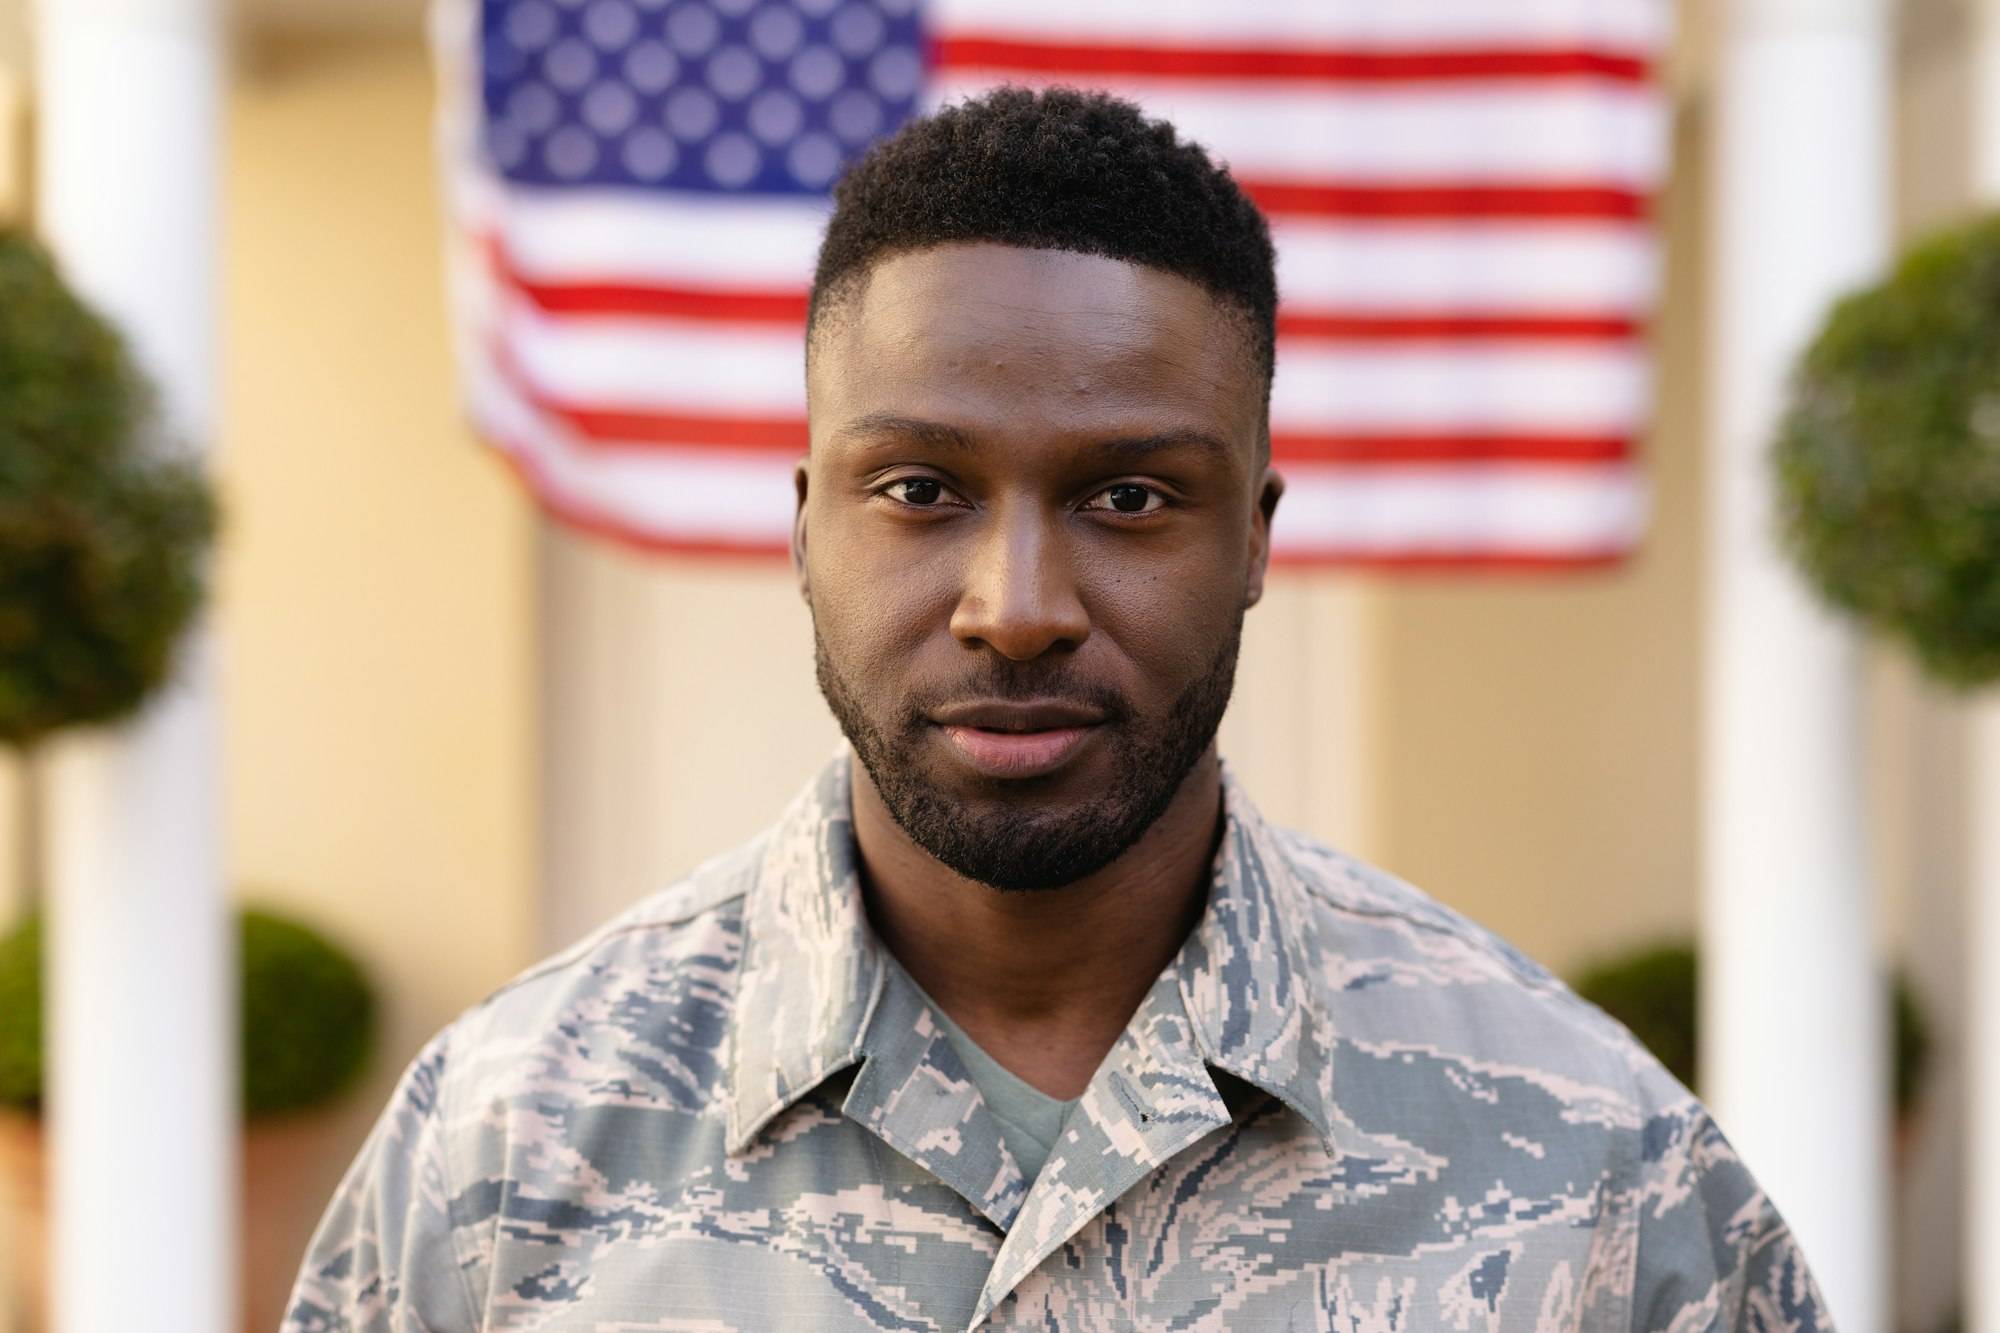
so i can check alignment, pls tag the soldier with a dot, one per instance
(1021, 1017)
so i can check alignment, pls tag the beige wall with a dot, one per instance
(376, 589)
(14, 35)
(1538, 761)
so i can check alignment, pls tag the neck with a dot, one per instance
(1044, 980)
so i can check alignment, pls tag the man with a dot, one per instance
(1021, 1017)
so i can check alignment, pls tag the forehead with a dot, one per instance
(1011, 334)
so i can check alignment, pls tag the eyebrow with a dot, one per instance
(938, 435)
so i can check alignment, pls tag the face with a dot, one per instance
(1031, 521)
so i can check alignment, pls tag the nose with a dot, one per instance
(1019, 595)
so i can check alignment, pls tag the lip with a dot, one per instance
(1017, 754)
(1027, 715)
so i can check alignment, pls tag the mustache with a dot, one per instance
(1019, 683)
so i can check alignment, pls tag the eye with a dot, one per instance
(920, 492)
(1127, 497)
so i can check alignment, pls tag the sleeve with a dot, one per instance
(1713, 1254)
(385, 1258)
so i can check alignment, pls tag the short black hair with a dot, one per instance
(1057, 169)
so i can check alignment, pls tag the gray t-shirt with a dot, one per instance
(1030, 1120)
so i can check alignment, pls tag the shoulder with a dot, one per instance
(640, 1005)
(1395, 969)
(630, 1021)
(1444, 1031)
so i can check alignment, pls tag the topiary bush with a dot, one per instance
(21, 1015)
(103, 528)
(1655, 993)
(1888, 455)
(307, 1018)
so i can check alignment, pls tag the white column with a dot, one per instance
(1982, 1211)
(1793, 1013)
(143, 1068)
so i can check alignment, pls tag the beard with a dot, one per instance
(1015, 842)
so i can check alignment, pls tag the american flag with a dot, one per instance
(1460, 192)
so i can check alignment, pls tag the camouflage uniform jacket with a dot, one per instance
(1342, 1106)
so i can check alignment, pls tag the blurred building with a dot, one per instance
(457, 737)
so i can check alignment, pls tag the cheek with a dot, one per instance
(1171, 618)
(872, 606)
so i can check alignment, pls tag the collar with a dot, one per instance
(813, 973)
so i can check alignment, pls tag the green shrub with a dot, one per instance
(1888, 456)
(308, 1016)
(21, 1015)
(1652, 992)
(103, 529)
(1655, 991)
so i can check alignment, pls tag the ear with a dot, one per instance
(1270, 489)
(800, 476)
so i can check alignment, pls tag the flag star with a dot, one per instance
(776, 116)
(813, 160)
(693, 29)
(531, 26)
(569, 64)
(692, 114)
(734, 73)
(649, 154)
(776, 32)
(732, 159)
(895, 72)
(856, 116)
(533, 108)
(611, 23)
(857, 30)
(817, 72)
(610, 108)
(651, 67)
(570, 152)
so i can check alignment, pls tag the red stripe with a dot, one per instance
(581, 517)
(1472, 326)
(1006, 55)
(1468, 449)
(786, 307)
(1455, 562)
(614, 428)
(746, 305)
(740, 306)
(783, 435)
(1446, 201)
(649, 430)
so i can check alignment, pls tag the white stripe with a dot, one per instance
(1499, 386)
(1517, 507)
(1467, 266)
(1638, 25)
(1513, 385)
(623, 236)
(692, 495)
(1602, 134)
(652, 364)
